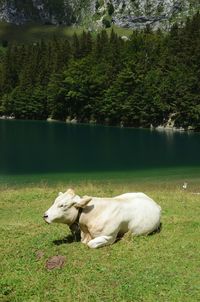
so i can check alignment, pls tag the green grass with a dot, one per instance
(34, 32)
(161, 267)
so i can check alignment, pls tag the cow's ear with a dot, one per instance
(83, 202)
(60, 193)
(70, 191)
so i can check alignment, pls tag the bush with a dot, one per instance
(97, 5)
(110, 9)
(106, 22)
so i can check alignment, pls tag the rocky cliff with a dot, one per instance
(139, 13)
(94, 13)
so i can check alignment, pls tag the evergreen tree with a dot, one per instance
(56, 98)
(76, 51)
(138, 82)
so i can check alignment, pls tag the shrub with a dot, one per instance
(106, 22)
(110, 9)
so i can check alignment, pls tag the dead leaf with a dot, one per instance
(55, 262)
(39, 255)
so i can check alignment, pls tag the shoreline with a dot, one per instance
(74, 121)
(121, 125)
(174, 176)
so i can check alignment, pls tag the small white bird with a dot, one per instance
(185, 185)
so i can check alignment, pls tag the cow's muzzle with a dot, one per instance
(45, 217)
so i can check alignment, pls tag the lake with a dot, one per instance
(39, 147)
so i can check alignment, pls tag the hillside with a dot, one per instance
(98, 13)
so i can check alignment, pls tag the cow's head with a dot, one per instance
(65, 208)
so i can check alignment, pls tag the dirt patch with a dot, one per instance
(39, 255)
(55, 262)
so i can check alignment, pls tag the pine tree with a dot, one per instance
(75, 46)
(56, 97)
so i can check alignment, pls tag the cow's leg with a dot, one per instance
(85, 237)
(101, 241)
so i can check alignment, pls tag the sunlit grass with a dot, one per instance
(162, 267)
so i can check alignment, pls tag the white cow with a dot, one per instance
(101, 220)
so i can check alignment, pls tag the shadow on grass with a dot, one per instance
(158, 230)
(67, 240)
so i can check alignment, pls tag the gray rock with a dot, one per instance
(127, 13)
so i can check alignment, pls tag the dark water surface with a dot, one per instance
(28, 147)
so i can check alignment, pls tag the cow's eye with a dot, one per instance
(61, 205)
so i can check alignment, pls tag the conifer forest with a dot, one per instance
(103, 78)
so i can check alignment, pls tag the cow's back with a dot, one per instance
(131, 211)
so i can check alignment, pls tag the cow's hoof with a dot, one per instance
(92, 245)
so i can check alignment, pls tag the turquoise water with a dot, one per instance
(42, 148)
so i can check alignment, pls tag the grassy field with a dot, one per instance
(34, 32)
(161, 267)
